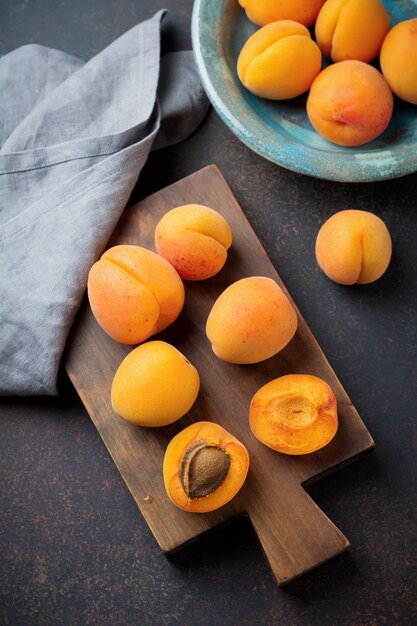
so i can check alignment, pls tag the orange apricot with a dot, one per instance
(294, 414)
(134, 293)
(204, 467)
(399, 60)
(279, 61)
(265, 11)
(194, 239)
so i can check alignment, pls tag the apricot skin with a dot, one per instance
(263, 12)
(215, 435)
(251, 321)
(294, 414)
(134, 293)
(195, 240)
(351, 29)
(279, 61)
(350, 103)
(353, 247)
(399, 60)
(154, 385)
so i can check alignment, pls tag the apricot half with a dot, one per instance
(194, 239)
(251, 321)
(399, 60)
(154, 385)
(294, 414)
(204, 467)
(134, 293)
(265, 11)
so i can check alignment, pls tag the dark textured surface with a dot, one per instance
(73, 546)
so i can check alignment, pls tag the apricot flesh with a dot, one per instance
(154, 385)
(263, 12)
(194, 239)
(294, 414)
(399, 60)
(251, 321)
(204, 467)
(279, 61)
(353, 246)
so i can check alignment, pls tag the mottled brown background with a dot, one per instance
(73, 546)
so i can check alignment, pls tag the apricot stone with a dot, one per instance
(154, 385)
(134, 293)
(294, 414)
(204, 467)
(265, 11)
(279, 61)
(399, 60)
(352, 29)
(353, 247)
(194, 239)
(251, 321)
(350, 103)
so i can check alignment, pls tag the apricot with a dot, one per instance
(134, 293)
(204, 467)
(352, 29)
(294, 414)
(353, 247)
(154, 385)
(350, 103)
(279, 61)
(194, 239)
(399, 60)
(251, 321)
(265, 11)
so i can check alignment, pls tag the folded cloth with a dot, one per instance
(74, 137)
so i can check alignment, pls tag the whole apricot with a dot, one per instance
(265, 11)
(279, 61)
(353, 247)
(251, 321)
(154, 385)
(399, 60)
(134, 293)
(294, 414)
(204, 467)
(350, 103)
(194, 239)
(352, 29)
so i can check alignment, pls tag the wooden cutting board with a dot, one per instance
(295, 534)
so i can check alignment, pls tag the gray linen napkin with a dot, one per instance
(74, 138)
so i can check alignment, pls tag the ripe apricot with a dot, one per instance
(154, 385)
(265, 11)
(279, 61)
(352, 29)
(353, 247)
(134, 293)
(194, 239)
(399, 60)
(350, 103)
(294, 414)
(251, 321)
(204, 467)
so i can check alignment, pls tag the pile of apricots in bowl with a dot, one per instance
(350, 102)
(135, 293)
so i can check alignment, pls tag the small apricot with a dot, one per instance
(294, 414)
(265, 11)
(204, 467)
(194, 239)
(353, 247)
(154, 385)
(279, 61)
(399, 60)
(352, 29)
(251, 321)
(134, 293)
(350, 103)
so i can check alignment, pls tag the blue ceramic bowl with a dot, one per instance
(281, 131)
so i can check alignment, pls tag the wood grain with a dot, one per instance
(295, 534)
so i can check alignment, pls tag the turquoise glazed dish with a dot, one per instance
(281, 131)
